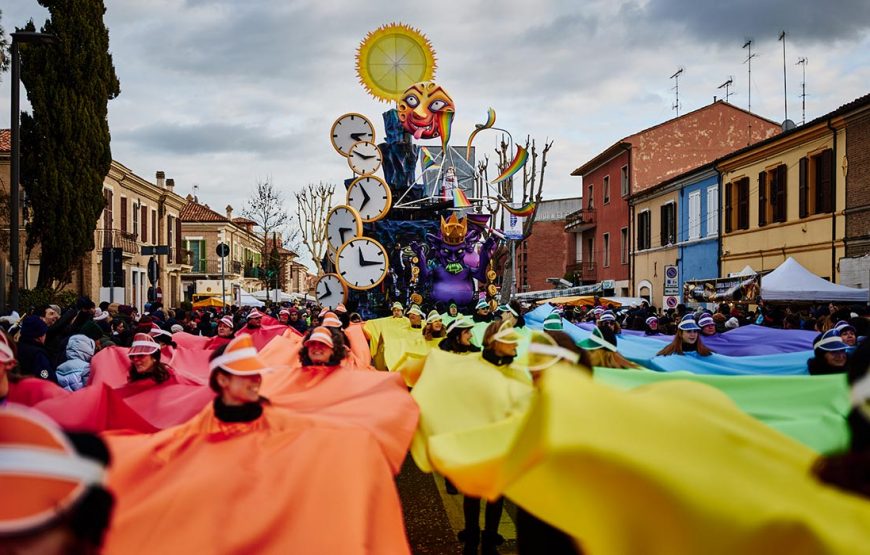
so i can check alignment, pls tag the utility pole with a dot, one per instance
(727, 86)
(784, 83)
(676, 78)
(748, 60)
(803, 63)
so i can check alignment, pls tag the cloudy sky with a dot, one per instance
(221, 93)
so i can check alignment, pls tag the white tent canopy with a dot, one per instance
(246, 299)
(792, 282)
(272, 295)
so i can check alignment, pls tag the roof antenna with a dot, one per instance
(803, 62)
(676, 78)
(748, 60)
(727, 86)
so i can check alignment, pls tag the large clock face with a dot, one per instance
(330, 290)
(350, 129)
(371, 197)
(362, 263)
(343, 223)
(364, 158)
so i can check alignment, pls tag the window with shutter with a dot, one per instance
(803, 188)
(729, 211)
(623, 245)
(743, 203)
(779, 201)
(107, 211)
(823, 190)
(144, 237)
(606, 253)
(762, 199)
(713, 211)
(154, 228)
(124, 214)
(179, 243)
(169, 237)
(694, 215)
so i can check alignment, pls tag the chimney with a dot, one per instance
(230, 212)
(161, 176)
(170, 183)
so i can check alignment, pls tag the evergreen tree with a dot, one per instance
(65, 142)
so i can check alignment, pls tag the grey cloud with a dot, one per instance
(808, 21)
(205, 138)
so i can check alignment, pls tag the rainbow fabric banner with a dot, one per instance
(490, 121)
(459, 199)
(445, 122)
(519, 161)
(523, 211)
(428, 160)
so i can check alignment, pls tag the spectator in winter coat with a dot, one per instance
(33, 357)
(73, 374)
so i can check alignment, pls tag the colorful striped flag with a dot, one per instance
(518, 162)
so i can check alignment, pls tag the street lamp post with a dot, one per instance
(14, 170)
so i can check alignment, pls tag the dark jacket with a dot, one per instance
(34, 360)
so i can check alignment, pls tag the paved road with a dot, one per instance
(433, 517)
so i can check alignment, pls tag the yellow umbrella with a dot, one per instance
(207, 302)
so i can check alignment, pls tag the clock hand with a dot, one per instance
(358, 136)
(342, 231)
(363, 156)
(366, 198)
(363, 262)
(328, 291)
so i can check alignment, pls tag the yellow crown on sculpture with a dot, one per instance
(453, 230)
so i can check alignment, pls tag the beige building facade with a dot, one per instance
(785, 197)
(656, 214)
(202, 229)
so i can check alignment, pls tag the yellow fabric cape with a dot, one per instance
(460, 392)
(387, 333)
(669, 468)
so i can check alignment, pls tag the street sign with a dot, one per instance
(156, 250)
(671, 281)
(222, 250)
(670, 301)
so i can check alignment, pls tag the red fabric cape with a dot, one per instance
(285, 483)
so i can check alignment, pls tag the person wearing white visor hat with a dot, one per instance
(459, 336)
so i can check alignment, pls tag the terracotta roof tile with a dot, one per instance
(243, 221)
(5, 140)
(195, 212)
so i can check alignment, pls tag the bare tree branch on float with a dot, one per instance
(313, 204)
(532, 189)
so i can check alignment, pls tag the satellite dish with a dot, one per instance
(788, 125)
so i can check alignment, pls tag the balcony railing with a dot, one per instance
(583, 271)
(117, 239)
(212, 265)
(580, 220)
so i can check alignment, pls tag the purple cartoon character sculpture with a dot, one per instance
(453, 263)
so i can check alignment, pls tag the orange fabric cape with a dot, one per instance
(285, 483)
(378, 402)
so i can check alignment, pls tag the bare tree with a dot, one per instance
(266, 208)
(313, 204)
(532, 190)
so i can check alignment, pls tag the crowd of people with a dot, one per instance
(55, 346)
